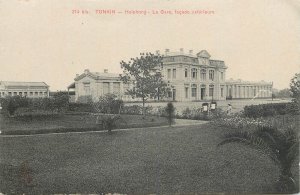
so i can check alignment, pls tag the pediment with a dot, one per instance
(85, 77)
(203, 54)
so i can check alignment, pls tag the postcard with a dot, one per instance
(149, 97)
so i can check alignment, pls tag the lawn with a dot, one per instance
(138, 161)
(71, 122)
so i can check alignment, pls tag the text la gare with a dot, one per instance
(162, 12)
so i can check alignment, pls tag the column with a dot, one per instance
(111, 88)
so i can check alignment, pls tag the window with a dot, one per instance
(36, 93)
(211, 75)
(186, 92)
(20, 93)
(194, 90)
(9, 93)
(41, 93)
(87, 88)
(194, 73)
(15, 93)
(211, 90)
(186, 73)
(169, 73)
(222, 76)
(222, 93)
(174, 73)
(203, 74)
(169, 94)
(106, 88)
(25, 94)
(31, 93)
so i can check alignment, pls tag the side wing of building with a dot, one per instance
(25, 89)
(89, 86)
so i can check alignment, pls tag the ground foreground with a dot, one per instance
(153, 160)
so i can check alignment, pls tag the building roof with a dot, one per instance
(192, 58)
(23, 84)
(98, 75)
(239, 81)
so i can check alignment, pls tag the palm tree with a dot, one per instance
(281, 146)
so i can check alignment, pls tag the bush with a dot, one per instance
(80, 107)
(195, 114)
(86, 99)
(264, 110)
(11, 104)
(137, 110)
(108, 104)
(110, 121)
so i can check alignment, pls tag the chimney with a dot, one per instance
(157, 52)
(167, 51)
(86, 71)
(105, 70)
(191, 52)
(181, 50)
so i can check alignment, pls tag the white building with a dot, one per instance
(26, 89)
(190, 77)
(194, 77)
(96, 84)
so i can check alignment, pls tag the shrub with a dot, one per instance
(86, 99)
(170, 110)
(264, 110)
(108, 104)
(109, 122)
(195, 114)
(80, 107)
(137, 110)
(11, 104)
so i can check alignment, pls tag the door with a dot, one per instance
(202, 93)
(174, 94)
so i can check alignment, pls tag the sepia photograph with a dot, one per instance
(118, 97)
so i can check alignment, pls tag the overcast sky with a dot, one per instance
(44, 41)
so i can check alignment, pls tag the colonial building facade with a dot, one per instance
(194, 77)
(238, 89)
(96, 84)
(25, 89)
(191, 78)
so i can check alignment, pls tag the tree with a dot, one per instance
(60, 101)
(281, 146)
(295, 87)
(144, 71)
(284, 93)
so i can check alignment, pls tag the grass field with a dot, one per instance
(140, 161)
(69, 123)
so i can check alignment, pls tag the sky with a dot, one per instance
(46, 40)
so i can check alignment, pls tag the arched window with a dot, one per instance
(211, 75)
(194, 90)
(203, 74)
(194, 73)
